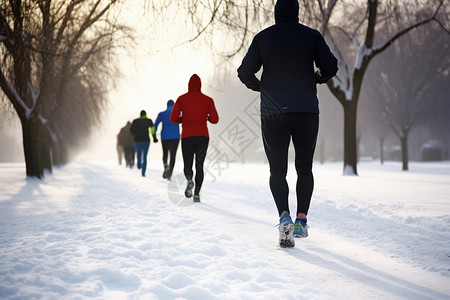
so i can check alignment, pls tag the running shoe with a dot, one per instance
(286, 231)
(189, 187)
(196, 198)
(301, 228)
(166, 171)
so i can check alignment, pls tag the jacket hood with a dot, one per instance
(170, 103)
(286, 11)
(195, 84)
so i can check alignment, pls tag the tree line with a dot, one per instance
(56, 71)
(409, 88)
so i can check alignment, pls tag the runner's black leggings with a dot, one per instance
(277, 132)
(170, 146)
(197, 145)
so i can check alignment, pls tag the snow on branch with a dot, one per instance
(51, 132)
(347, 90)
(13, 95)
(43, 120)
(34, 96)
(363, 52)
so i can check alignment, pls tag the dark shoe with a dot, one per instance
(166, 171)
(196, 198)
(189, 187)
(169, 174)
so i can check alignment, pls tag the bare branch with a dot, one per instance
(384, 46)
(372, 20)
(8, 88)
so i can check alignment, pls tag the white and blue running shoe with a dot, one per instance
(286, 228)
(301, 229)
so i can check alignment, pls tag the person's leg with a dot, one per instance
(173, 146)
(304, 127)
(173, 152)
(201, 149)
(132, 153)
(138, 147)
(127, 156)
(187, 148)
(119, 153)
(276, 139)
(165, 148)
(145, 146)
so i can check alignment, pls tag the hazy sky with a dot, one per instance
(155, 69)
(151, 76)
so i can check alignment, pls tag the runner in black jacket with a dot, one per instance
(287, 51)
(139, 128)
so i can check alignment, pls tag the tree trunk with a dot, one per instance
(404, 143)
(59, 154)
(56, 155)
(358, 149)
(30, 149)
(36, 148)
(45, 152)
(382, 151)
(350, 143)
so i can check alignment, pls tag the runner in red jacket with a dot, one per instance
(193, 110)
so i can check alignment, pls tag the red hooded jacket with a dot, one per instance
(193, 109)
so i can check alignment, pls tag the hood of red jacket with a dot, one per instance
(195, 84)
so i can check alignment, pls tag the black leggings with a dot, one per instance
(277, 132)
(170, 146)
(197, 145)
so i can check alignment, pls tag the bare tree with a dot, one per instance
(409, 78)
(55, 61)
(351, 26)
(354, 28)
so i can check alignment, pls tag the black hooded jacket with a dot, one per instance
(139, 128)
(287, 52)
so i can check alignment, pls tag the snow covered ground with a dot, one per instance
(99, 230)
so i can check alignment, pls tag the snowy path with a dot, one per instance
(97, 230)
